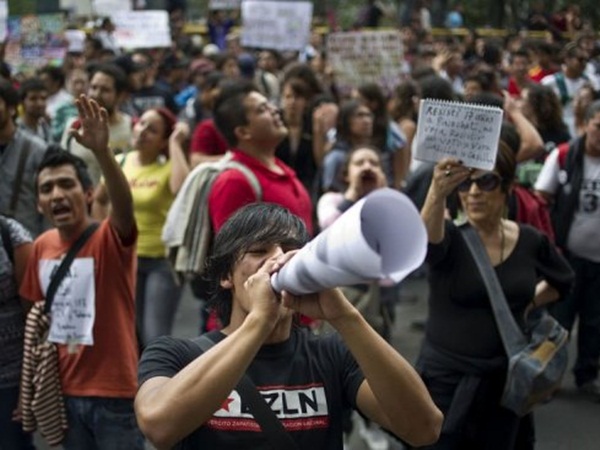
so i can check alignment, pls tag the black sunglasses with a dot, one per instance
(486, 182)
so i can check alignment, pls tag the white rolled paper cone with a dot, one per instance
(382, 236)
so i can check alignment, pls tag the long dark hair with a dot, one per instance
(375, 96)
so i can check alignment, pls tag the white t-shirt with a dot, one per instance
(584, 234)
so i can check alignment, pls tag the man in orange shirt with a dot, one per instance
(93, 311)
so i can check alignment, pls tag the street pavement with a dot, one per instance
(569, 422)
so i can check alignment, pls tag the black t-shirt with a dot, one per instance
(308, 381)
(461, 319)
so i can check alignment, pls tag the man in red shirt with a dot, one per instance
(519, 73)
(253, 128)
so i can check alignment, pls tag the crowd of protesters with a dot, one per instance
(162, 112)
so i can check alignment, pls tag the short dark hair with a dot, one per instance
(8, 93)
(30, 85)
(56, 73)
(592, 110)
(56, 156)
(115, 72)
(256, 223)
(229, 111)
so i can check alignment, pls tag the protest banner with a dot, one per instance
(224, 4)
(463, 131)
(142, 29)
(109, 7)
(34, 41)
(276, 25)
(365, 57)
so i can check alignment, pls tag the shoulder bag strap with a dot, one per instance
(513, 338)
(65, 264)
(250, 176)
(264, 415)
(23, 157)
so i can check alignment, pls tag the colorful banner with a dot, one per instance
(365, 57)
(34, 41)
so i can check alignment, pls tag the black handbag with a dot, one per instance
(536, 363)
(262, 412)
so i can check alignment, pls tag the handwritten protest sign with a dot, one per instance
(34, 41)
(365, 57)
(142, 29)
(276, 25)
(462, 131)
(224, 4)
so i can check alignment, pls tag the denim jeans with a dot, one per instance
(583, 302)
(12, 436)
(156, 299)
(100, 423)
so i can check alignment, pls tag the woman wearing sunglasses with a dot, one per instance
(462, 361)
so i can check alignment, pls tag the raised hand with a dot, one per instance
(93, 131)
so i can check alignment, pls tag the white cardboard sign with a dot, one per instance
(142, 29)
(276, 25)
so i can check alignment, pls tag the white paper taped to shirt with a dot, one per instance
(380, 237)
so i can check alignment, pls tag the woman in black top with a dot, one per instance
(462, 360)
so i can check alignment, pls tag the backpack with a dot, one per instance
(566, 200)
(188, 232)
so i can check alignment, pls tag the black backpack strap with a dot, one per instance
(262, 412)
(63, 268)
(18, 181)
(6, 239)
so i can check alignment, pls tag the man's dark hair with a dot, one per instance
(56, 73)
(115, 72)
(8, 93)
(488, 99)
(30, 85)
(229, 111)
(256, 223)
(592, 110)
(523, 53)
(55, 156)
(437, 88)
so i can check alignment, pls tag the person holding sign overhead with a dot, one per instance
(462, 361)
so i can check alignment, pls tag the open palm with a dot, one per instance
(93, 119)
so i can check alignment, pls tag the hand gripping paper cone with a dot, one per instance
(380, 237)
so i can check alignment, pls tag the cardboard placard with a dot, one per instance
(276, 25)
(463, 131)
(366, 57)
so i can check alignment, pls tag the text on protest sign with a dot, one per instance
(142, 29)
(463, 131)
(276, 25)
(224, 4)
(365, 57)
(109, 7)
